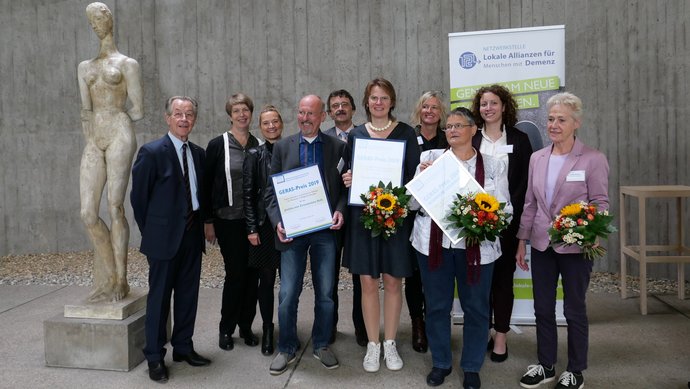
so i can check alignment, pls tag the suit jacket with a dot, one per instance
(537, 216)
(518, 166)
(158, 197)
(286, 157)
(332, 132)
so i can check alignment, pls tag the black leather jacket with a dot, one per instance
(255, 178)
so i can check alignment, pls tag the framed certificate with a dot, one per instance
(436, 187)
(302, 201)
(375, 160)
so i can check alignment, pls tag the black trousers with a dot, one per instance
(238, 306)
(180, 274)
(501, 297)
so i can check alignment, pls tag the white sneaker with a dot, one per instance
(372, 361)
(391, 356)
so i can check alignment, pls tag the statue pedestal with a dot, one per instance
(105, 336)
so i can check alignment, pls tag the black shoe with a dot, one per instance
(569, 380)
(192, 358)
(361, 337)
(437, 376)
(537, 375)
(225, 341)
(267, 340)
(471, 380)
(499, 357)
(331, 340)
(249, 338)
(158, 372)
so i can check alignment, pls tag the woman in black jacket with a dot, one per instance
(223, 213)
(262, 252)
(495, 111)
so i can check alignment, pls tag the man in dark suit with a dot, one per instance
(308, 147)
(165, 200)
(341, 108)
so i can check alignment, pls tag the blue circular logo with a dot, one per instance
(467, 60)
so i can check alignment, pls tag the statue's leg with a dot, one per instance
(91, 184)
(119, 164)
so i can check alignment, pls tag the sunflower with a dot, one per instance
(571, 209)
(486, 202)
(386, 202)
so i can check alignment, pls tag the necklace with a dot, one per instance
(377, 129)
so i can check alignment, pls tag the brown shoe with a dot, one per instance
(419, 341)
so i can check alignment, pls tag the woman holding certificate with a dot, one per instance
(223, 213)
(385, 256)
(443, 263)
(262, 250)
(496, 113)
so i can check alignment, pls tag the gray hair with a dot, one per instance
(569, 100)
(169, 102)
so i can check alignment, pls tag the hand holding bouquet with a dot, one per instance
(480, 217)
(581, 224)
(385, 208)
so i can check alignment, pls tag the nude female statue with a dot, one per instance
(105, 83)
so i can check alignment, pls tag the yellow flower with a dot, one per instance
(486, 202)
(386, 202)
(571, 209)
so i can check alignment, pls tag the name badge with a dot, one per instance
(506, 149)
(576, 175)
(420, 141)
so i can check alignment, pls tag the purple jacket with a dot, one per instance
(593, 187)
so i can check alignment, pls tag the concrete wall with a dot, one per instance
(628, 60)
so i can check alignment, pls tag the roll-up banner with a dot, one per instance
(530, 62)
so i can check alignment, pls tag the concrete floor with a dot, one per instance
(627, 350)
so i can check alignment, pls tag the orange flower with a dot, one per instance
(390, 223)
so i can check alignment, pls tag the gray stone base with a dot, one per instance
(134, 302)
(95, 343)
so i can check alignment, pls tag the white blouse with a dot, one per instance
(495, 183)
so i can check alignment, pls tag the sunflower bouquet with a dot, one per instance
(581, 224)
(479, 216)
(385, 208)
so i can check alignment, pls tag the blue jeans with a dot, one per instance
(438, 292)
(293, 263)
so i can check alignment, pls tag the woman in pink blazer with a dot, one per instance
(560, 174)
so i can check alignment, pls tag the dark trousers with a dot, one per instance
(357, 317)
(414, 295)
(180, 274)
(267, 279)
(575, 271)
(238, 307)
(502, 285)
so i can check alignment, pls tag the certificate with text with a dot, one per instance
(436, 187)
(375, 160)
(302, 201)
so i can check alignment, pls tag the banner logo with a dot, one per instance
(468, 60)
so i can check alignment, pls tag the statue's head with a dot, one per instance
(100, 19)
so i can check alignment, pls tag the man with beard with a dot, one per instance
(308, 147)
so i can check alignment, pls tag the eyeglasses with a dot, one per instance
(383, 99)
(344, 104)
(458, 126)
(274, 122)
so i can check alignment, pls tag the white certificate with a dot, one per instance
(302, 201)
(436, 187)
(375, 160)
